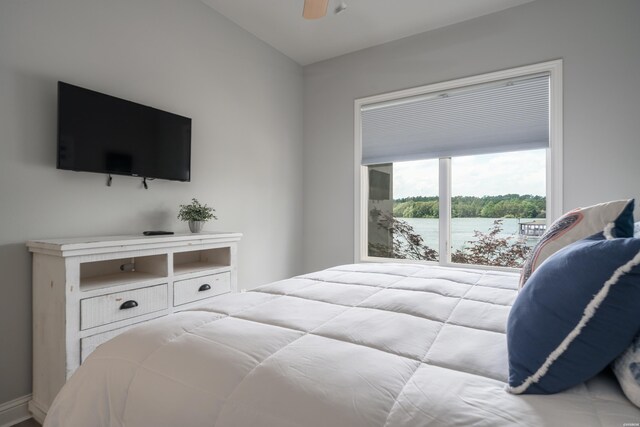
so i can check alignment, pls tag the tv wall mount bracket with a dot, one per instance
(144, 181)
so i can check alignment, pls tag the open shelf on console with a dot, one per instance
(200, 260)
(99, 274)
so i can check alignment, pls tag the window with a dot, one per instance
(492, 197)
(416, 235)
(462, 172)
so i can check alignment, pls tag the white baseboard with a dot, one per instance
(14, 411)
(37, 411)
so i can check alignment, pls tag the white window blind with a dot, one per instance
(503, 116)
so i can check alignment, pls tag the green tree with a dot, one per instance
(508, 205)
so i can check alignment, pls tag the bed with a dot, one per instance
(355, 345)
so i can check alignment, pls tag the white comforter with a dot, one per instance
(357, 345)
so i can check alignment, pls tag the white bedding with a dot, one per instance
(356, 345)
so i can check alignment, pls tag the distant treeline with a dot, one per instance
(506, 206)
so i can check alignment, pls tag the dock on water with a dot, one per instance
(533, 228)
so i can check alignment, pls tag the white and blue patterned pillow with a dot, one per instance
(627, 370)
(636, 230)
(579, 224)
(577, 313)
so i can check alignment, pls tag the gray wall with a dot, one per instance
(245, 100)
(599, 42)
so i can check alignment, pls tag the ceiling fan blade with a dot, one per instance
(314, 9)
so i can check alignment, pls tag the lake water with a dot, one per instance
(462, 229)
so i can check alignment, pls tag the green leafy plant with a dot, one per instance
(195, 211)
(492, 249)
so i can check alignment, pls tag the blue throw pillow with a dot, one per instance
(578, 312)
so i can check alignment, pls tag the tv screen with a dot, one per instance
(105, 134)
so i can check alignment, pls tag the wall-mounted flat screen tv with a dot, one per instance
(105, 134)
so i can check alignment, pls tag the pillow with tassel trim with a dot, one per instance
(578, 312)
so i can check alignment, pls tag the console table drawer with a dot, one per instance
(185, 291)
(114, 307)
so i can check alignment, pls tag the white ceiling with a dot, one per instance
(363, 24)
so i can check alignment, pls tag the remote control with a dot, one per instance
(156, 233)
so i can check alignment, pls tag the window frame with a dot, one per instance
(554, 177)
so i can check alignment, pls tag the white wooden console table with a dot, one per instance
(88, 290)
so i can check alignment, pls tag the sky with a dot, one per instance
(520, 172)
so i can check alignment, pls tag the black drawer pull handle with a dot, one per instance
(128, 304)
(204, 287)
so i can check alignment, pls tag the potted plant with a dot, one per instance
(196, 214)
